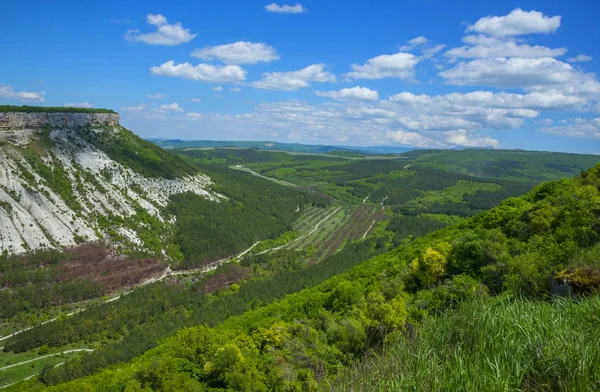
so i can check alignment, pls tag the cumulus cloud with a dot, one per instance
(166, 34)
(291, 81)
(172, 107)
(137, 108)
(195, 100)
(576, 127)
(351, 93)
(193, 116)
(413, 43)
(201, 72)
(481, 46)
(535, 100)
(367, 123)
(155, 96)
(235, 90)
(238, 53)
(285, 8)
(400, 65)
(579, 58)
(79, 105)
(518, 22)
(454, 138)
(408, 138)
(8, 92)
(218, 88)
(525, 73)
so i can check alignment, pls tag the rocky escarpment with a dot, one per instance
(18, 120)
(20, 128)
(58, 189)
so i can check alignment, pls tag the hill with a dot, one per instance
(534, 247)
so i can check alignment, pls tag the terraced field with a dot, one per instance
(338, 225)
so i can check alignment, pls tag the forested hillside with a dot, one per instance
(514, 260)
(255, 210)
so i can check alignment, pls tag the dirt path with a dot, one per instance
(275, 180)
(46, 356)
(205, 268)
(367, 232)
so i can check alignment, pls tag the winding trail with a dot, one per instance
(275, 180)
(47, 356)
(203, 269)
(37, 325)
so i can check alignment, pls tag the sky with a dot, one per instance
(417, 73)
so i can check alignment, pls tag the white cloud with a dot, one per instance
(285, 8)
(461, 137)
(579, 58)
(195, 100)
(235, 90)
(194, 116)
(518, 22)
(8, 93)
(524, 73)
(453, 138)
(137, 108)
(351, 93)
(413, 43)
(481, 46)
(173, 107)
(166, 34)
(576, 127)
(155, 96)
(238, 53)
(418, 41)
(291, 81)
(201, 72)
(409, 138)
(79, 105)
(400, 65)
(545, 121)
(218, 88)
(534, 100)
(367, 123)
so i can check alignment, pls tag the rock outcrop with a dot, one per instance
(19, 121)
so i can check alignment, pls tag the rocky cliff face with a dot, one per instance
(57, 189)
(20, 128)
(18, 121)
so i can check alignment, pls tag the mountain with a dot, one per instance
(276, 146)
(69, 176)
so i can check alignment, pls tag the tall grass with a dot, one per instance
(491, 345)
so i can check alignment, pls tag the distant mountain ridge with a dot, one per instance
(277, 146)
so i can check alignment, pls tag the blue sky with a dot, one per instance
(415, 73)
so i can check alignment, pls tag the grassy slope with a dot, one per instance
(493, 345)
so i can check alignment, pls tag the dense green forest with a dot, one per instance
(255, 209)
(51, 109)
(514, 260)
